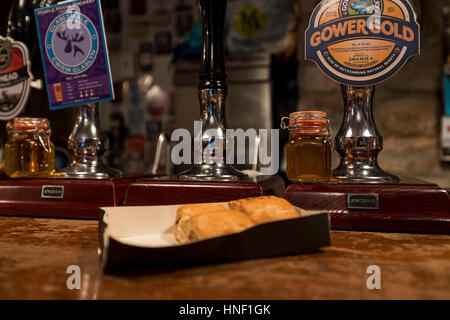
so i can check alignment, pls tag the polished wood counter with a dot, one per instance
(34, 255)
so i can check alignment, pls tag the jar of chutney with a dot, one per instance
(309, 150)
(29, 152)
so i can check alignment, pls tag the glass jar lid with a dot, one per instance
(308, 122)
(28, 125)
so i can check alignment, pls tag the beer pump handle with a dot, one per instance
(212, 92)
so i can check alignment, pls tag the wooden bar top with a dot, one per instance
(35, 253)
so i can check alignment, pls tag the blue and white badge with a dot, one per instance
(71, 43)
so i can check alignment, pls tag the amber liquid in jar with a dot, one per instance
(309, 150)
(29, 152)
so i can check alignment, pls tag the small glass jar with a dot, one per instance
(29, 153)
(308, 152)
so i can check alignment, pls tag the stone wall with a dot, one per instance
(407, 107)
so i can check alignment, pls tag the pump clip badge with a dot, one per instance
(74, 53)
(15, 78)
(362, 42)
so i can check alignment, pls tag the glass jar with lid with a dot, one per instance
(29, 152)
(309, 150)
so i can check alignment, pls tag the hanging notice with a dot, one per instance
(74, 53)
(362, 42)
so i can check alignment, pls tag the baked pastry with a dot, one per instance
(196, 222)
(186, 212)
(190, 210)
(265, 209)
(212, 224)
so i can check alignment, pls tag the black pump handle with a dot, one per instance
(212, 74)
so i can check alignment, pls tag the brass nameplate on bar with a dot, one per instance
(368, 201)
(52, 192)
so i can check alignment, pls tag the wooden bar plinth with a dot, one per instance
(61, 198)
(165, 191)
(408, 206)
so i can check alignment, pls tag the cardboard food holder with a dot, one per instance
(142, 238)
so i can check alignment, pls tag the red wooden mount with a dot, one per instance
(166, 191)
(408, 206)
(61, 198)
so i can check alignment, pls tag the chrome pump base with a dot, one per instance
(88, 144)
(215, 172)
